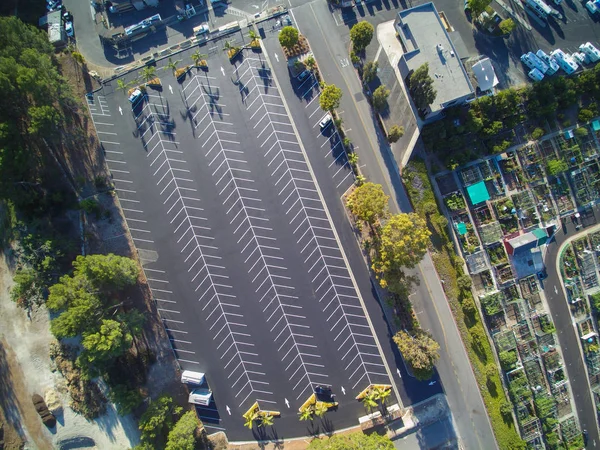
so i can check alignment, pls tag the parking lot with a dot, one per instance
(236, 242)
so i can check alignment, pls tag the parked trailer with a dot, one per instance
(565, 62)
(552, 66)
(539, 7)
(592, 52)
(533, 62)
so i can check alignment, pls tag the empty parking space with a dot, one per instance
(238, 248)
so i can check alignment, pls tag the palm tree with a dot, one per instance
(369, 400)
(197, 57)
(250, 420)
(172, 65)
(252, 35)
(320, 409)
(148, 73)
(382, 394)
(306, 414)
(266, 419)
(227, 46)
(122, 85)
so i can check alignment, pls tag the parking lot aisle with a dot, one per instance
(186, 273)
(314, 238)
(274, 286)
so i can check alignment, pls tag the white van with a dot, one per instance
(533, 62)
(552, 66)
(189, 377)
(592, 52)
(592, 8)
(536, 75)
(200, 397)
(325, 121)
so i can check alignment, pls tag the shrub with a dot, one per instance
(581, 132)
(91, 206)
(585, 115)
(396, 132)
(537, 134)
(288, 37)
(125, 398)
(506, 26)
(556, 166)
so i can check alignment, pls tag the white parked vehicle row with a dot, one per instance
(542, 64)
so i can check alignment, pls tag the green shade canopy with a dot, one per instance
(462, 228)
(478, 193)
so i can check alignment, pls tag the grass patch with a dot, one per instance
(449, 268)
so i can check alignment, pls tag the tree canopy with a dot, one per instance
(395, 133)
(477, 6)
(33, 93)
(419, 351)
(330, 97)
(421, 87)
(288, 37)
(380, 97)
(361, 35)
(404, 240)
(158, 419)
(183, 434)
(353, 441)
(369, 71)
(368, 202)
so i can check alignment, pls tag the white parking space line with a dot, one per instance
(317, 239)
(210, 280)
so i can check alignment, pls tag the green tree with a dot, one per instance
(353, 441)
(183, 434)
(311, 63)
(330, 97)
(537, 134)
(585, 115)
(508, 359)
(369, 72)
(468, 306)
(395, 133)
(321, 409)
(109, 342)
(122, 85)
(109, 272)
(361, 35)
(419, 351)
(172, 65)
(306, 414)
(478, 6)
(148, 72)
(266, 420)
(404, 240)
(125, 398)
(26, 291)
(368, 202)
(464, 282)
(421, 87)
(158, 419)
(197, 57)
(370, 400)
(380, 97)
(253, 35)
(288, 37)
(507, 26)
(556, 166)
(43, 119)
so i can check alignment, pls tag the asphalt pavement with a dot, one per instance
(458, 381)
(253, 283)
(567, 332)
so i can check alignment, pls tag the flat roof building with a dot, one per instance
(424, 39)
(56, 32)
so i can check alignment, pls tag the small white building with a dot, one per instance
(485, 75)
(56, 32)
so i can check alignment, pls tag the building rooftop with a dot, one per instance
(426, 40)
(55, 27)
(478, 193)
(485, 75)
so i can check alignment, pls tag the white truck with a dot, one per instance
(565, 62)
(533, 62)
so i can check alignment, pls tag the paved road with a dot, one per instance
(567, 335)
(473, 427)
